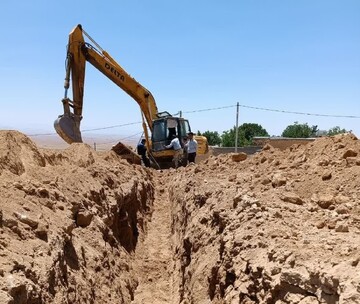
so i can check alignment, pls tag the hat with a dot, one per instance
(190, 133)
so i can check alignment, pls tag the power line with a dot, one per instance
(111, 127)
(88, 130)
(214, 109)
(274, 110)
(41, 134)
(210, 109)
(299, 113)
(121, 139)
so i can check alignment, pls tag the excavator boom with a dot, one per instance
(68, 125)
(162, 125)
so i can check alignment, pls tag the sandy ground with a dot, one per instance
(83, 226)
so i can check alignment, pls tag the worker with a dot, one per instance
(191, 147)
(141, 150)
(175, 144)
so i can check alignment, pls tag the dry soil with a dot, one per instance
(80, 226)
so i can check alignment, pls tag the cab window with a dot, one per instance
(159, 131)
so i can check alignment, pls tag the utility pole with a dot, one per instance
(237, 127)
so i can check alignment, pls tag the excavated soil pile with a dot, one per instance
(77, 226)
(279, 227)
(69, 222)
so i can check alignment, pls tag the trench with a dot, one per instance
(153, 256)
(186, 255)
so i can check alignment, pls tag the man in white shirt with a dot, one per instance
(191, 147)
(175, 144)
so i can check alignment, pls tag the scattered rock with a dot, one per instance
(349, 153)
(325, 201)
(43, 192)
(265, 181)
(331, 224)
(342, 210)
(320, 224)
(340, 227)
(353, 161)
(278, 180)
(292, 198)
(9, 222)
(42, 232)
(238, 157)
(26, 220)
(83, 218)
(326, 176)
(342, 199)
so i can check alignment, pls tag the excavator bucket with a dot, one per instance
(68, 128)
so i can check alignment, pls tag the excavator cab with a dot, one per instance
(165, 128)
(163, 131)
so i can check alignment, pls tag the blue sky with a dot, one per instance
(301, 56)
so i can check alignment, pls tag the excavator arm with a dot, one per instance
(68, 124)
(162, 125)
(79, 51)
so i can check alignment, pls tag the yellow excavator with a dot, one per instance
(162, 125)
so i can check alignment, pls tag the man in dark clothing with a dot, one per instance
(141, 150)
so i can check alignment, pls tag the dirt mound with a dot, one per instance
(69, 220)
(79, 226)
(18, 151)
(279, 227)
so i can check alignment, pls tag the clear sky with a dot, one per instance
(301, 56)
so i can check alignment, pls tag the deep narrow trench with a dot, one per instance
(153, 258)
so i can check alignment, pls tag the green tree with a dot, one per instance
(335, 130)
(228, 138)
(297, 130)
(213, 137)
(251, 130)
(246, 132)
